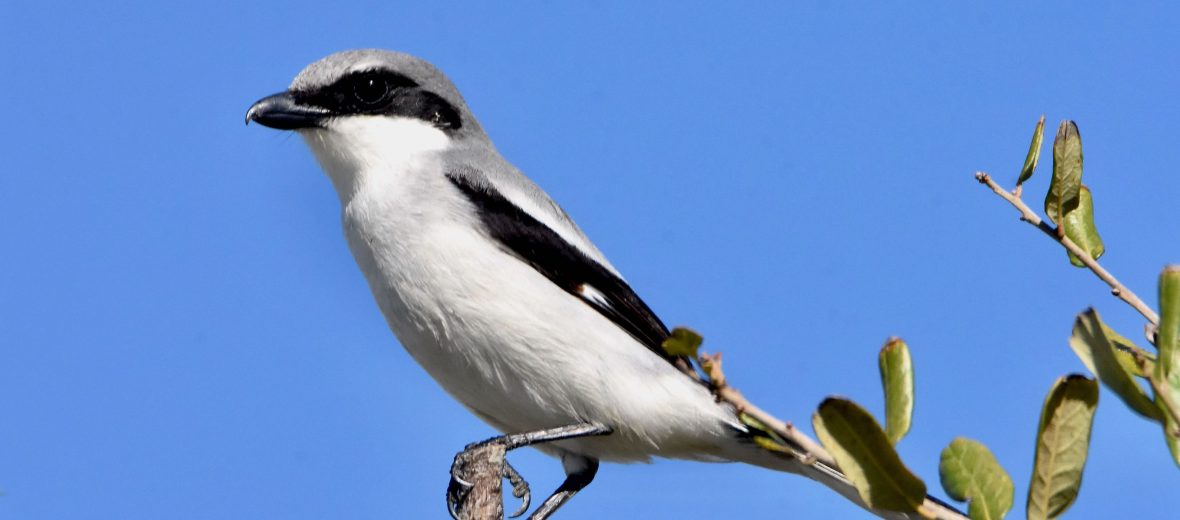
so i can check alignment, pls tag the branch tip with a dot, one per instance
(1057, 233)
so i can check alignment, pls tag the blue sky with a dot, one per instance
(184, 335)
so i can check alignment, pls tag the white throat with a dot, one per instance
(357, 150)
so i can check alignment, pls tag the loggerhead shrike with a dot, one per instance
(490, 286)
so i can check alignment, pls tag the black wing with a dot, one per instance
(561, 262)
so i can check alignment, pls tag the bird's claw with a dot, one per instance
(520, 489)
(458, 488)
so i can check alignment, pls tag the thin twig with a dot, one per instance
(810, 450)
(711, 364)
(1030, 216)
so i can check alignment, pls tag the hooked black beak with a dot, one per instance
(281, 111)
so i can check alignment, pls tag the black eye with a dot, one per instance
(370, 89)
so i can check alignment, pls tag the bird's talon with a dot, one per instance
(457, 490)
(452, 505)
(520, 489)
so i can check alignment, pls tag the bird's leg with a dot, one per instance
(577, 478)
(561, 433)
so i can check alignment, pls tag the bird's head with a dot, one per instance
(365, 83)
(361, 108)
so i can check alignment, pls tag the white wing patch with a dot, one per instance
(592, 295)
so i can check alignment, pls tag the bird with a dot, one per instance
(492, 288)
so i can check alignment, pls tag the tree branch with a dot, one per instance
(810, 452)
(1030, 216)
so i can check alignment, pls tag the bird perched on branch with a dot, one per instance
(491, 287)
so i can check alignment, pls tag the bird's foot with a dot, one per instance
(520, 489)
(472, 463)
(458, 488)
(469, 488)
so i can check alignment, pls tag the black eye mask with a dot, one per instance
(381, 92)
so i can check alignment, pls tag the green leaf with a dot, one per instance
(1034, 152)
(1173, 442)
(1066, 184)
(897, 379)
(1168, 337)
(969, 471)
(1170, 431)
(1167, 368)
(1126, 351)
(1079, 227)
(683, 342)
(1098, 353)
(763, 435)
(1063, 440)
(864, 454)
